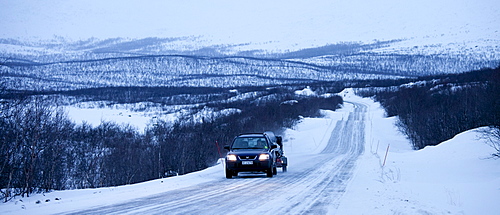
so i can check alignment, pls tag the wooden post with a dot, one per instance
(386, 152)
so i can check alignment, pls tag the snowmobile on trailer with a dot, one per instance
(281, 159)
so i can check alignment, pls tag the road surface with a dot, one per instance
(313, 185)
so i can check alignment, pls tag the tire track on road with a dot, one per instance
(345, 145)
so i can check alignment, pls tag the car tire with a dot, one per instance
(269, 172)
(229, 173)
(275, 171)
(283, 169)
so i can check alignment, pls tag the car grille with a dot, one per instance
(247, 157)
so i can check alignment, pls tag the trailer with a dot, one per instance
(281, 160)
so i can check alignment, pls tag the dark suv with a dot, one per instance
(254, 152)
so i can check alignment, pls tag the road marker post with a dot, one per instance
(386, 152)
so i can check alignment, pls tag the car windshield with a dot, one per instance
(250, 143)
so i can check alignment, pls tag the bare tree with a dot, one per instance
(492, 137)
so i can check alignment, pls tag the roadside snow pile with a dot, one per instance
(456, 177)
(72, 200)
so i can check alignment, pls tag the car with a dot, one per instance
(252, 152)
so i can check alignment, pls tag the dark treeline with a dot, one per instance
(41, 149)
(438, 107)
(120, 94)
(133, 94)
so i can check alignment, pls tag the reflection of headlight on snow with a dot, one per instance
(231, 157)
(263, 157)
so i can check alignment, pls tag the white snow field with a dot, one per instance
(278, 25)
(335, 168)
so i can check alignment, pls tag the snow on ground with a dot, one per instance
(95, 116)
(305, 92)
(455, 177)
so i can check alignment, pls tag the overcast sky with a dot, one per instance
(259, 21)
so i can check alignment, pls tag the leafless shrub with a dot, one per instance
(492, 136)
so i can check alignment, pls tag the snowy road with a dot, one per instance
(314, 183)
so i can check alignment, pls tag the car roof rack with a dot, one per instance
(246, 133)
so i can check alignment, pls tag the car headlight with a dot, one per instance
(263, 157)
(231, 158)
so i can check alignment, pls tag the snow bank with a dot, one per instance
(455, 177)
(70, 200)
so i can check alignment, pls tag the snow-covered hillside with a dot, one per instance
(456, 177)
(79, 44)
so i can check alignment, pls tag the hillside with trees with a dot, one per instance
(436, 108)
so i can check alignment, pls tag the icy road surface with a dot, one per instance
(314, 183)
